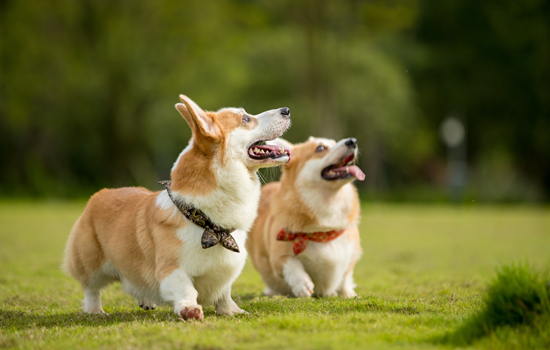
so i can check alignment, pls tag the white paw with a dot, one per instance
(146, 305)
(228, 307)
(268, 292)
(347, 293)
(189, 312)
(94, 311)
(231, 312)
(303, 288)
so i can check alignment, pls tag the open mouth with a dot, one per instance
(343, 170)
(260, 150)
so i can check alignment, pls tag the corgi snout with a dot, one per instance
(285, 112)
(351, 142)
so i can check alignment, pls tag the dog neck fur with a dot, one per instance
(334, 208)
(215, 173)
(310, 204)
(228, 194)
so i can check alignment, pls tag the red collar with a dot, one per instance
(302, 239)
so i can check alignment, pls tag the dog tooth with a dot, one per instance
(256, 150)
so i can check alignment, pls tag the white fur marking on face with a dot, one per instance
(232, 109)
(321, 140)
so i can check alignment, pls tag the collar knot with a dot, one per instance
(213, 234)
(301, 239)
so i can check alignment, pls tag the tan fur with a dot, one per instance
(282, 206)
(140, 238)
(124, 227)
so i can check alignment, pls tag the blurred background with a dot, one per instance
(450, 100)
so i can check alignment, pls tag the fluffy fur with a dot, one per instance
(303, 201)
(140, 238)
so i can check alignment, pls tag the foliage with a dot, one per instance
(423, 269)
(87, 88)
(517, 297)
(487, 61)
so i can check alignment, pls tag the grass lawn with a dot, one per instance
(424, 270)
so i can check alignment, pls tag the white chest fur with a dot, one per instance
(234, 202)
(210, 269)
(326, 263)
(331, 208)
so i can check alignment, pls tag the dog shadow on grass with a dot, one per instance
(255, 304)
(21, 320)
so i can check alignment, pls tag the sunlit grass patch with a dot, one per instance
(517, 299)
(424, 271)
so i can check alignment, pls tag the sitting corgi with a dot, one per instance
(184, 245)
(305, 239)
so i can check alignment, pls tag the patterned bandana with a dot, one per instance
(301, 240)
(213, 234)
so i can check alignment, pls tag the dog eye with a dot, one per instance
(320, 148)
(246, 118)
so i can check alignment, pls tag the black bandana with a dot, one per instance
(213, 234)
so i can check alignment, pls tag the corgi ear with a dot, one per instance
(281, 142)
(197, 119)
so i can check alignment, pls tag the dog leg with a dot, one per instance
(178, 288)
(268, 292)
(92, 301)
(297, 278)
(146, 305)
(346, 289)
(226, 306)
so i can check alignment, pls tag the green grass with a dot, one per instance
(424, 273)
(518, 297)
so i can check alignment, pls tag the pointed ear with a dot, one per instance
(281, 142)
(197, 119)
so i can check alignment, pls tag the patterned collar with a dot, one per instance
(213, 234)
(301, 239)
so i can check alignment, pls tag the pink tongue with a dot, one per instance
(272, 148)
(354, 170)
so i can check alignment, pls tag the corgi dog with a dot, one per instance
(305, 240)
(183, 246)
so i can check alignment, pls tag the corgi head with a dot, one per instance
(322, 162)
(229, 137)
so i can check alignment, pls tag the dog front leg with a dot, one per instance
(292, 271)
(178, 288)
(226, 306)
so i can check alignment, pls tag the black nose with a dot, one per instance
(351, 142)
(285, 112)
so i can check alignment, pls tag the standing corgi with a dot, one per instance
(185, 245)
(305, 239)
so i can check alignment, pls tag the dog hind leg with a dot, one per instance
(226, 306)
